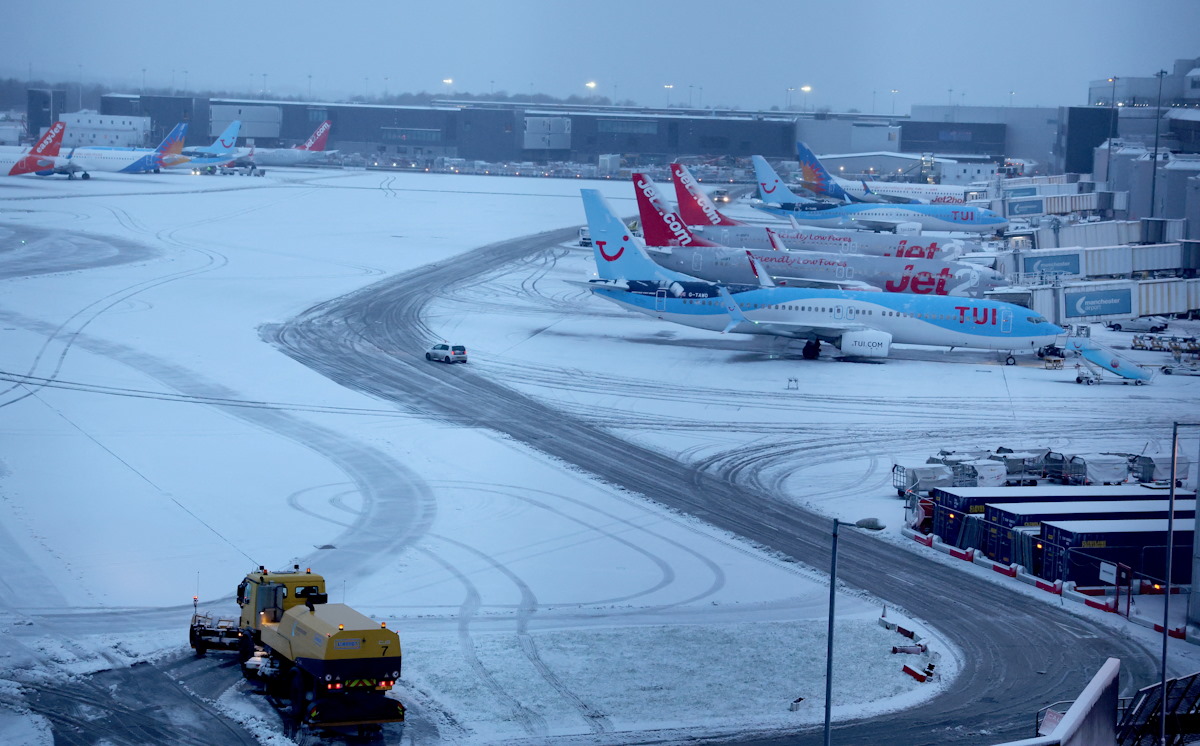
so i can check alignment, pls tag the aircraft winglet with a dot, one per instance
(733, 309)
(760, 272)
(776, 241)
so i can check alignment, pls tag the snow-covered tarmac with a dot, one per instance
(154, 447)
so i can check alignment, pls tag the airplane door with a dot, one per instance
(660, 300)
(697, 260)
(1006, 321)
(837, 312)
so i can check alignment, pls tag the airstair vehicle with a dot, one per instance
(1101, 364)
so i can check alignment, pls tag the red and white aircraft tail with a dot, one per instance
(660, 225)
(694, 205)
(41, 157)
(317, 141)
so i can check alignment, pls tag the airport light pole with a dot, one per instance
(1162, 720)
(1112, 132)
(788, 99)
(871, 524)
(668, 86)
(894, 92)
(807, 89)
(1157, 121)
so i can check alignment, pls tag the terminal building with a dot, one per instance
(1050, 140)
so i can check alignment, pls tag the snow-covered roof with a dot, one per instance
(886, 154)
(1122, 526)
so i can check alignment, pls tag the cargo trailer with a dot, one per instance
(951, 504)
(1074, 550)
(1002, 520)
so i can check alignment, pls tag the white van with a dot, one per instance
(1151, 324)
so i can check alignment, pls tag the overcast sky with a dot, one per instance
(745, 54)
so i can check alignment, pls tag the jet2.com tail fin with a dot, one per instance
(694, 205)
(617, 253)
(770, 187)
(661, 226)
(316, 141)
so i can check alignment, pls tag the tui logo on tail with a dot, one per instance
(614, 257)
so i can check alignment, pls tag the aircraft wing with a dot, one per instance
(896, 199)
(593, 284)
(875, 224)
(810, 282)
(826, 332)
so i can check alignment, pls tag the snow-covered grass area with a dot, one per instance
(540, 602)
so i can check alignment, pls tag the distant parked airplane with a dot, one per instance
(860, 324)
(672, 244)
(703, 217)
(204, 157)
(84, 160)
(777, 199)
(816, 178)
(313, 149)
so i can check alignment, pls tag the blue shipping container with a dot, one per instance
(1074, 549)
(1003, 519)
(952, 504)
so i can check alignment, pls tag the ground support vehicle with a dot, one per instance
(208, 633)
(1152, 324)
(920, 478)
(1182, 369)
(333, 664)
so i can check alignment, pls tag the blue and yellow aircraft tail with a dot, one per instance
(817, 179)
(171, 146)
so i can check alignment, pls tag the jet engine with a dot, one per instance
(866, 343)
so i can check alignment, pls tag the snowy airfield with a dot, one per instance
(154, 447)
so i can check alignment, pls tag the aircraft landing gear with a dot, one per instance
(812, 349)
(1010, 360)
(85, 176)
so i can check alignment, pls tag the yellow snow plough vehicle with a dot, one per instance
(333, 664)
